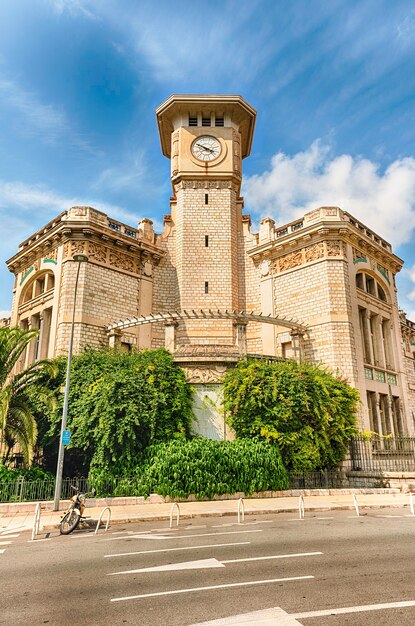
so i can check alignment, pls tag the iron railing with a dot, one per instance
(22, 490)
(383, 454)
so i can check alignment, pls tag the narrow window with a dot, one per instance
(192, 120)
(206, 241)
(205, 121)
(219, 121)
(206, 198)
(206, 286)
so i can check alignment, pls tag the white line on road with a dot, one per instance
(212, 545)
(276, 556)
(227, 532)
(171, 567)
(209, 563)
(5, 543)
(8, 535)
(225, 586)
(1, 551)
(37, 540)
(355, 609)
(265, 617)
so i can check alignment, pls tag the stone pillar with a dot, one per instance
(170, 335)
(297, 345)
(114, 338)
(241, 344)
(368, 333)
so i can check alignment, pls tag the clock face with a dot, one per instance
(206, 148)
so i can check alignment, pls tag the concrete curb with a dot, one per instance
(7, 508)
(91, 523)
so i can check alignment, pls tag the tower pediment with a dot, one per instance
(174, 112)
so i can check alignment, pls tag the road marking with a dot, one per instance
(323, 518)
(225, 586)
(389, 516)
(268, 521)
(209, 563)
(37, 540)
(276, 556)
(1, 551)
(8, 536)
(213, 545)
(227, 532)
(5, 543)
(266, 617)
(355, 609)
(202, 564)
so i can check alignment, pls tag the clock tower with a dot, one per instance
(206, 137)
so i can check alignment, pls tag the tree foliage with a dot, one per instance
(307, 411)
(119, 403)
(205, 468)
(17, 421)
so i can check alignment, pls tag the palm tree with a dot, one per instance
(17, 422)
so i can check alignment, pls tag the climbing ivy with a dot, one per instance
(307, 411)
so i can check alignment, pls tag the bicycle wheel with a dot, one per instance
(69, 521)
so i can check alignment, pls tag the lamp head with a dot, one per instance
(80, 257)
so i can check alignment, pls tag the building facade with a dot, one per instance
(320, 289)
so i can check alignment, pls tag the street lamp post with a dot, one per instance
(79, 258)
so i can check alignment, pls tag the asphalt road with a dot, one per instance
(214, 568)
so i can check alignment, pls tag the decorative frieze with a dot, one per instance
(308, 254)
(205, 375)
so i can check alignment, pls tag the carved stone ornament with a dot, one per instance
(122, 261)
(97, 252)
(314, 252)
(147, 268)
(73, 247)
(80, 211)
(334, 248)
(289, 261)
(330, 211)
(265, 267)
(205, 375)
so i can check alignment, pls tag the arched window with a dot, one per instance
(370, 285)
(42, 283)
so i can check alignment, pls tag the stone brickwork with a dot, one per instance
(326, 281)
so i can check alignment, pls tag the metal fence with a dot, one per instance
(22, 490)
(383, 454)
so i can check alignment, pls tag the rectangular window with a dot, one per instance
(206, 241)
(370, 286)
(206, 286)
(219, 121)
(205, 121)
(192, 120)
(206, 198)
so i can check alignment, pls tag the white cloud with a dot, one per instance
(5, 314)
(73, 7)
(126, 176)
(37, 118)
(384, 201)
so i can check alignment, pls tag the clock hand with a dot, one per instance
(199, 145)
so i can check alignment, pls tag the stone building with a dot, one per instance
(319, 289)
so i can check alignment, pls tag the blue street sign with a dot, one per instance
(66, 437)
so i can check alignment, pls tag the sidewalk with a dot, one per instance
(125, 511)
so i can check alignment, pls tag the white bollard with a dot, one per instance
(107, 508)
(241, 511)
(36, 521)
(411, 503)
(301, 507)
(356, 506)
(177, 514)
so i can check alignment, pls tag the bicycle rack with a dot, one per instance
(356, 506)
(301, 507)
(107, 508)
(36, 521)
(173, 506)
(411, 503)
(241, 510)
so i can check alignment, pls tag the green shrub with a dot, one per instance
(307, 411)
(8, 475)
(206, 468)
(119, 403)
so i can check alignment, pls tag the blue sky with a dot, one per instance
(333, 83)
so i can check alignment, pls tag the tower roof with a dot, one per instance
(236, 107)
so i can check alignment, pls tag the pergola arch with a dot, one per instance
(240, 319)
